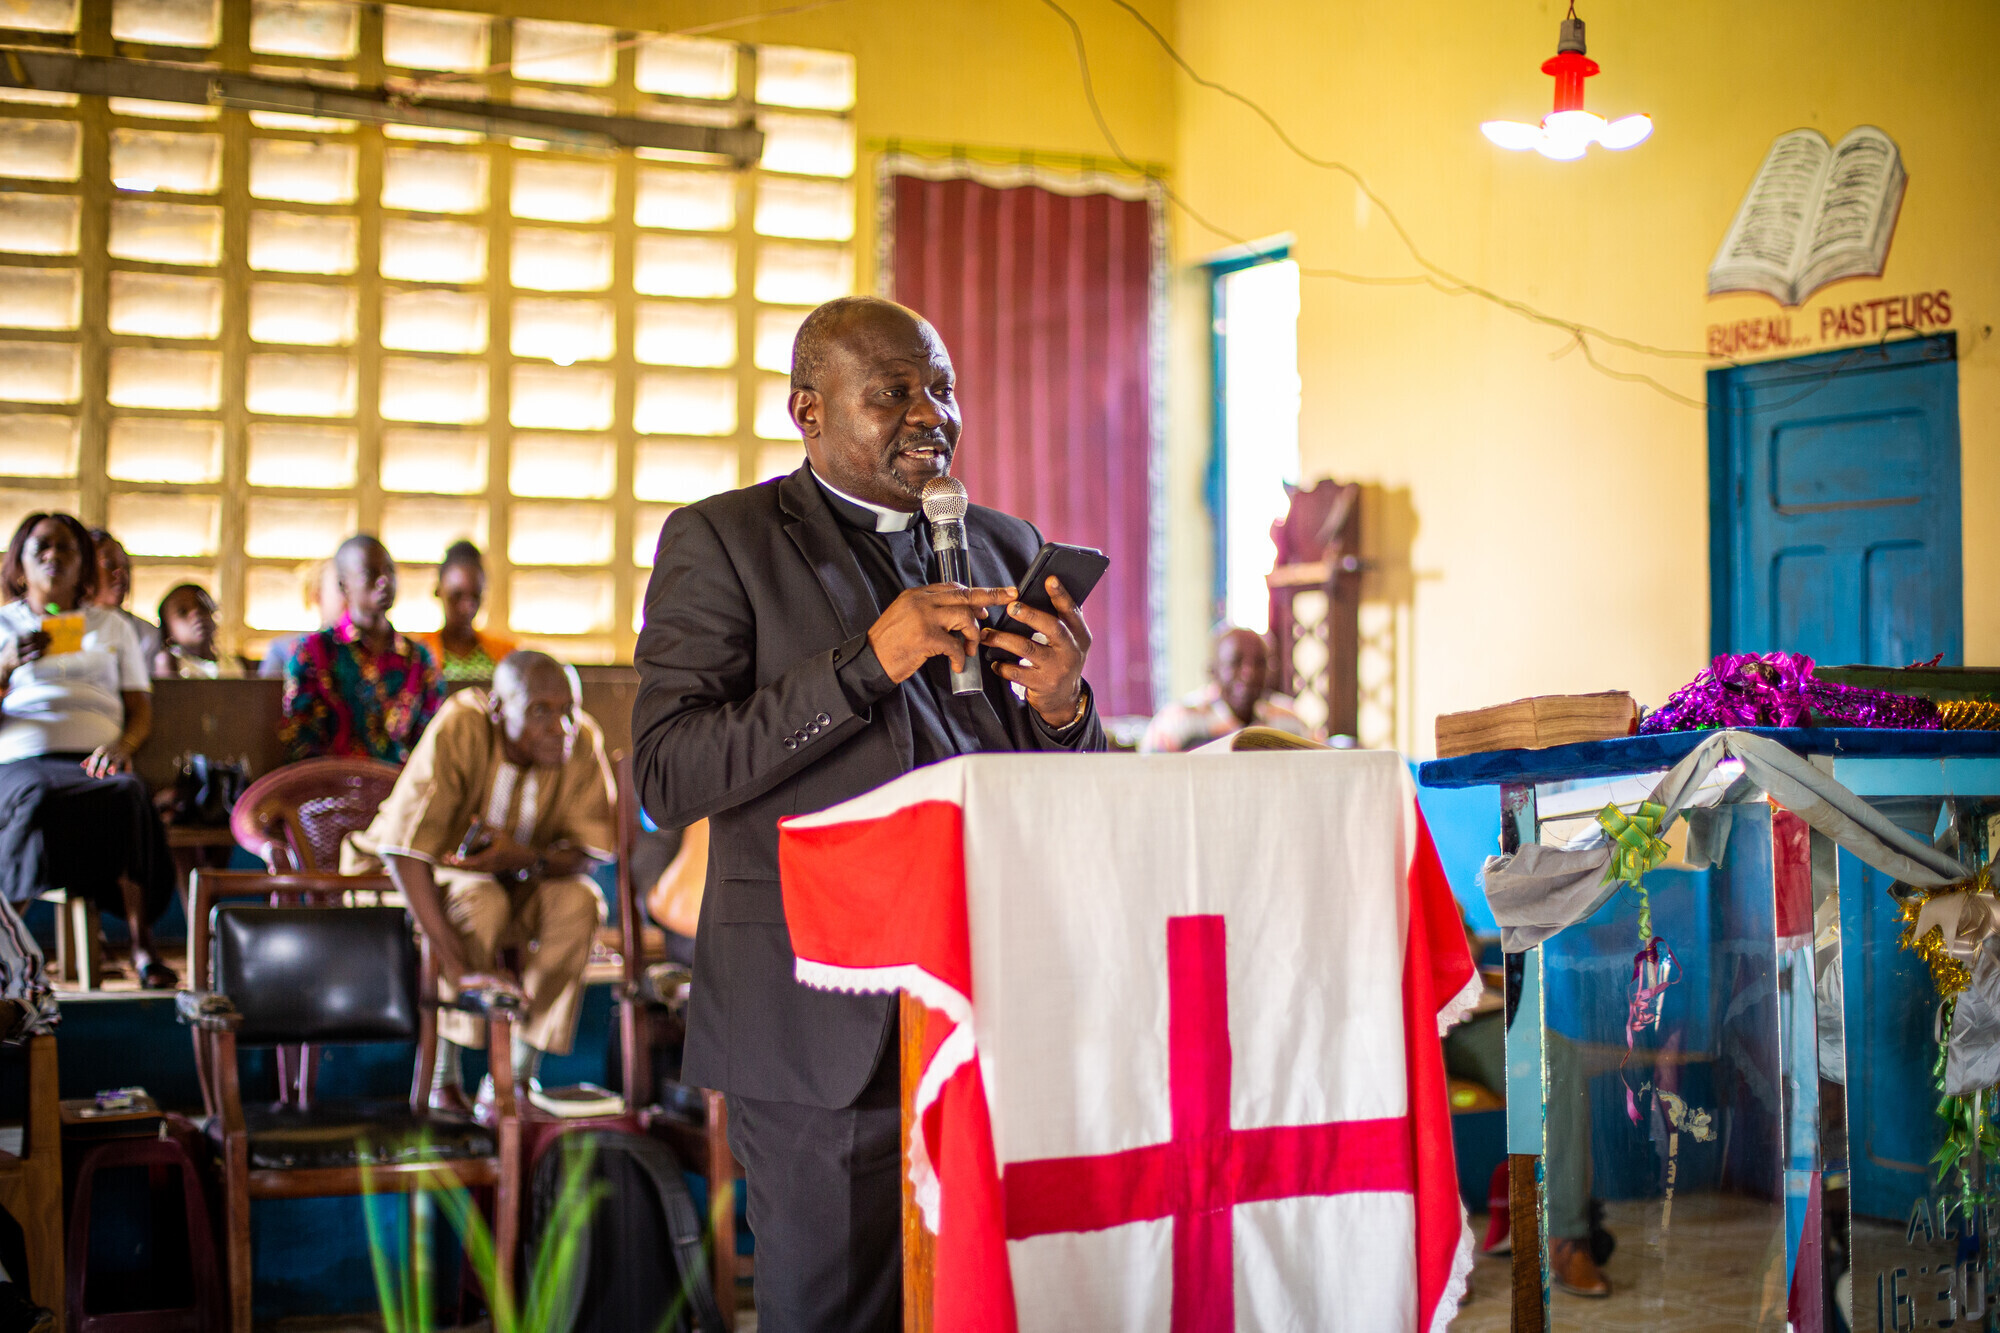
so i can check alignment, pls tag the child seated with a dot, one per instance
(187, 632)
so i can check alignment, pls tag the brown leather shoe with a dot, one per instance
(1574, 1270)
(450, 1101)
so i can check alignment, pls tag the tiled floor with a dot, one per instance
(1718, 1268)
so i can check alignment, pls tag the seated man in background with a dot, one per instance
(319, 584)
(490, 833)
(187, 631)
(1237, 696)
(360, 688)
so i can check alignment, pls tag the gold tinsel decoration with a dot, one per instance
(1948, 974)
(1969, 715)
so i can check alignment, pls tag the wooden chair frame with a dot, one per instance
(706, 1145)
(222, 1094)
(31, 1184)
(1323, 532)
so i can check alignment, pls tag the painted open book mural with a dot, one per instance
(1815, 213)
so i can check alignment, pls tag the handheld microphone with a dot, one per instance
(944, 509)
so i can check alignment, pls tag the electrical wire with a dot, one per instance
(1434, 276)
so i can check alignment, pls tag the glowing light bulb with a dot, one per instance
(1626, 132)
(1512, 134)
(1567, 132)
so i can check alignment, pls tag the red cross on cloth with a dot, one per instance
(1200, 1174)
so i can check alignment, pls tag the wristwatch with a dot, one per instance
(1082, 707)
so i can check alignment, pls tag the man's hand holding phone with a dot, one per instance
(1047, 662)
(487, 850)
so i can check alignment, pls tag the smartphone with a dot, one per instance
(478, 837)
(1077, 567)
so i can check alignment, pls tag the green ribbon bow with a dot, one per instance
(1639, 846)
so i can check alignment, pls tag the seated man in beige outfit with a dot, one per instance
(490, 833)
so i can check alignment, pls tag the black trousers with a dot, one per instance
(826, 1207)
(60, 828)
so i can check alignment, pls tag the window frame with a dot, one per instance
(228, 567)
(1215, 483)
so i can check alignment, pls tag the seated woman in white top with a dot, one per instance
(75, 701)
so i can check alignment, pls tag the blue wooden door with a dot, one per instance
(1834, 532)
(1834, 513)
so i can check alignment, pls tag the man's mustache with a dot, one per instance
(932, 441)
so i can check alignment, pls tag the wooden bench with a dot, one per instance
(232, 719)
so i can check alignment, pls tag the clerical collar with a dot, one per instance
(886, 520)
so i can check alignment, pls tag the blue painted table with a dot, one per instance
(1818, 1095)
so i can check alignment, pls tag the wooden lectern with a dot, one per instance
(918, 1255)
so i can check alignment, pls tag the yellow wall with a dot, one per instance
(1543, 527)
(1512, 489)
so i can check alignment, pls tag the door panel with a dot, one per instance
(1860, 462)
(1900, 612)
(1799, 616)
(1835, 506)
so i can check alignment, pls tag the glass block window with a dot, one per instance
(236, 337)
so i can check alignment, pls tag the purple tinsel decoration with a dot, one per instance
(1779, 690)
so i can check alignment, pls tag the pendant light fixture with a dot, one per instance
(1566, 132)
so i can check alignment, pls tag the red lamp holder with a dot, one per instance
(1570, 66)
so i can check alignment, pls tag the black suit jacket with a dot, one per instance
(755, 600)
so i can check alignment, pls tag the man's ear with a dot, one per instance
(805, 407)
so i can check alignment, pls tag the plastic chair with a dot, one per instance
(161, 1155)
(293, 818)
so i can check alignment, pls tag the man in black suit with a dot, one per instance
(794, 656)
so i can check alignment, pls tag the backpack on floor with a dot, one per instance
(643, 1255)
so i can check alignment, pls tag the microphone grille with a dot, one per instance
(944, 500)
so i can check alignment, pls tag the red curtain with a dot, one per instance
(1045, 298)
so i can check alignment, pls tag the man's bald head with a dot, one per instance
(827, 327)
(534, 701)
(526, 669)
(1240, 663)
(367, 577)
(874, 398)
(357, 549)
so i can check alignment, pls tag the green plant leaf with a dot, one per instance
(378, 1250)
(477, 1240)
(555, 1275)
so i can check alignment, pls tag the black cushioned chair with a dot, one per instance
(329, 974)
